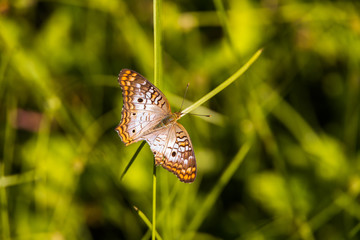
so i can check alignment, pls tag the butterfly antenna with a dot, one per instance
(187, 86)
(200, 115)
(194, 114)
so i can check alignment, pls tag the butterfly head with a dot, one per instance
(177, 115)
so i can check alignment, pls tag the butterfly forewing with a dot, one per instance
(143, 106)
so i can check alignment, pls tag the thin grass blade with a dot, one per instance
(132, 159)
(147, 222)
(157, 78)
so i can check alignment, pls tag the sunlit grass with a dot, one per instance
(279, 159)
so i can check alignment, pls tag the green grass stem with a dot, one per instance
(147, 222)
(154, 203)
(157, 78)
(157, 42)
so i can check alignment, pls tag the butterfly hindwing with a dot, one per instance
(144, 106)
(173, 150)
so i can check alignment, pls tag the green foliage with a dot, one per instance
(278, 159)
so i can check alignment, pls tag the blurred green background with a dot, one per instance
(278, 159)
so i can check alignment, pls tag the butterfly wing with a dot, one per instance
(144, 106)
(173, 150)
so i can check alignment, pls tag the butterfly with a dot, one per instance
(146, 115)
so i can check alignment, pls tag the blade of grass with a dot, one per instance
(215, 192)
(157, 78)
(223, 85)
(154, 203)
(157, 43)
(147, 221)
(132, 159)
(216, 118)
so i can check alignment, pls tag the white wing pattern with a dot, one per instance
(146, 115)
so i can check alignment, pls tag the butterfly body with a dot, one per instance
(146, 115)
(170, 119)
